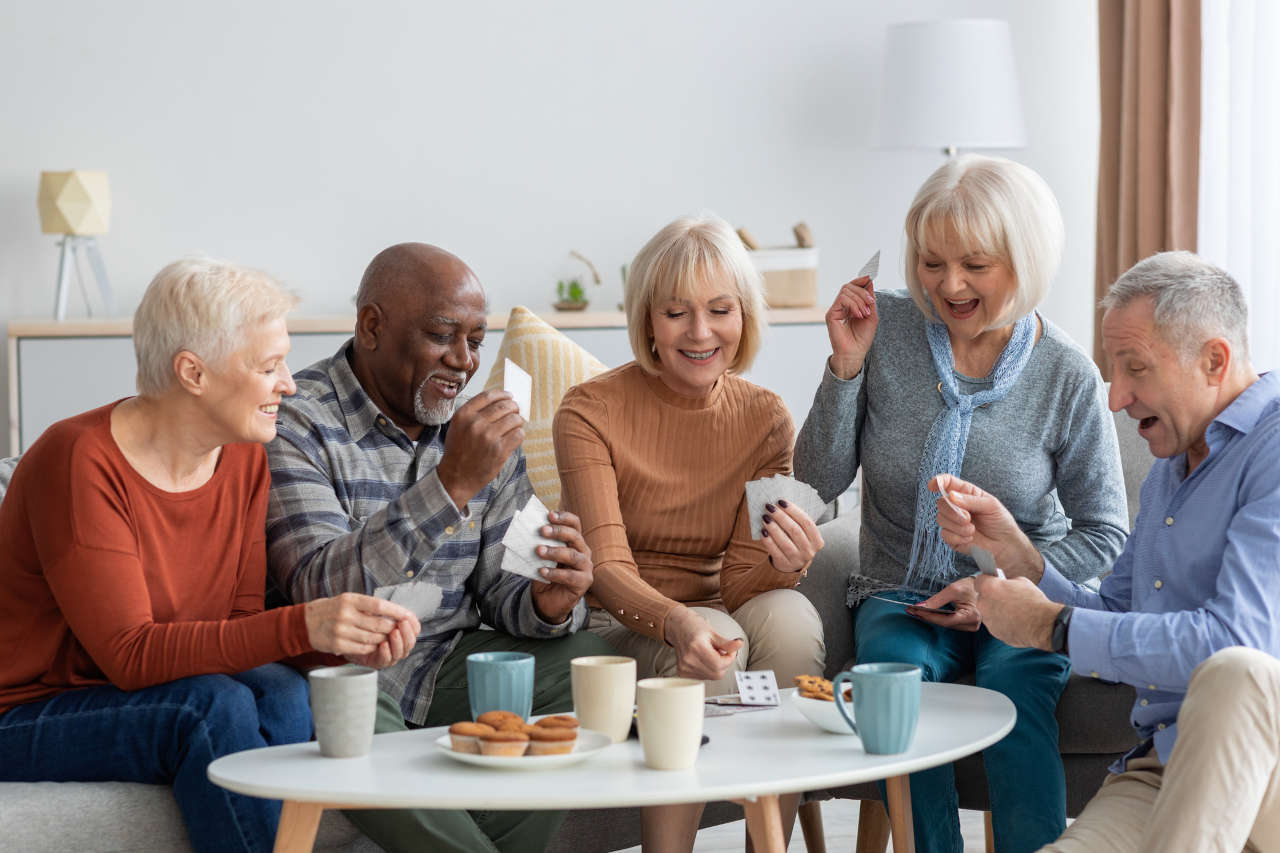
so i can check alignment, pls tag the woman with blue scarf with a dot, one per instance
(962, 376)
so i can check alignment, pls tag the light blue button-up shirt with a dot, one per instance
(1200, 571)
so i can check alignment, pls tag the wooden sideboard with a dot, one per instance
(60, 369)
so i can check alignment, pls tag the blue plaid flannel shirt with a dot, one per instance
(356, 506)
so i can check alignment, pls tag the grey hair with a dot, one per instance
(203, 306)
(1193, 301)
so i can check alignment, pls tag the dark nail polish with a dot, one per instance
(764, 532)
(771, 507)
(783, 504)
(767, 519)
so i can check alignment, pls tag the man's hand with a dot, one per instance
(700, 652)
(1016, 612)
(483, 433)
(982, 520)
(565, 585)
(360, 626)
(966, 616)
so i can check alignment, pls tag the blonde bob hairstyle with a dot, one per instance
(674, 264)
(202, 306)
(993, 206)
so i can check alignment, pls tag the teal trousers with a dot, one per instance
(456, 831)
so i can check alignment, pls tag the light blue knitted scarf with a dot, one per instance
(932, 560)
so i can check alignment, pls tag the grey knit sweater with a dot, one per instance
(1048, 450)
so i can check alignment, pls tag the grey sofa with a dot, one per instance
(120, 816)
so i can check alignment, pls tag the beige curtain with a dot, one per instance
(1149, 145)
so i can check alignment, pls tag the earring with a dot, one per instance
(653, 346)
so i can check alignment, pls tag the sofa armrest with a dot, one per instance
(827, 584)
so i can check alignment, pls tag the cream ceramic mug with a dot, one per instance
(669, 714)
(604, 692)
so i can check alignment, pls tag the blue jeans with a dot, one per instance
(165, 735)
(1024, 770)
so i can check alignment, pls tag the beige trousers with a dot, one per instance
(780, 630)
(1220, 790)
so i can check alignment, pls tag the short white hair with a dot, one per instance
(203, 306)
(993, 206)
(1192, 302)
(674, 263)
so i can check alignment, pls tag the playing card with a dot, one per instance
(780, 487)
(520, 384)
(757, 687)
(871, 268)
(523, 537)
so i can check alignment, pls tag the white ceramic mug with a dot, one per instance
(669, 713)
(604, 692)
(344, 705)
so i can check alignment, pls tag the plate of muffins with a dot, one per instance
(504, 740)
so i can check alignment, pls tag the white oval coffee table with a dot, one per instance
(751, 758)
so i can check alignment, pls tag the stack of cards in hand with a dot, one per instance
(523, 537)
(780, 487)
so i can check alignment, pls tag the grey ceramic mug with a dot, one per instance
(886, 704)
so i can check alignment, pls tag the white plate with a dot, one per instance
(822, 714)
(588, 744)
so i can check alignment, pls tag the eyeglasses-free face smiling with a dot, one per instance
(970, 290)
(696, 339)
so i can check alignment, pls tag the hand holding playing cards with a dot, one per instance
(483, 433)
(973, 517)
(700, 652)
(790, 536)
(554, 598)
(852, 322)
(966, 616)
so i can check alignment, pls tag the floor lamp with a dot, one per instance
(930, 99)
(77, 205)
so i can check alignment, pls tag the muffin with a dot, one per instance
(559, 721)
(496, 718)
(514, 724)
(551, 740)
(464, 737)
(506, 744)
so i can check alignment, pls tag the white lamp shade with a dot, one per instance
(950, 83)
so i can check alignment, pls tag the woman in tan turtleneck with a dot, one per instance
(654, 457)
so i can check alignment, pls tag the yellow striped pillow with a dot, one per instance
(556, 365)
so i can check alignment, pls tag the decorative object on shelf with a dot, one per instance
(928, 100)
(77, 205)
(569, 292)
(790, 273)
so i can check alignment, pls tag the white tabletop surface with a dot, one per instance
(774, 751)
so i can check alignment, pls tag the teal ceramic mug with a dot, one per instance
(886, 704)
(500, 681)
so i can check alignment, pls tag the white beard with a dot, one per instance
(435, 414)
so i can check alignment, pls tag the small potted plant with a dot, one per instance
(569, 292)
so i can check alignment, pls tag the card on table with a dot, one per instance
(523, 537)
(757, 687)
(520, 384)
(771, 489)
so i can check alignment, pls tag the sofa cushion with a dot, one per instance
(556, 365)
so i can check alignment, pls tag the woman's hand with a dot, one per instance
(965, 597)
(790, 536)
(700, 652)
(851, 326)
(364, 629)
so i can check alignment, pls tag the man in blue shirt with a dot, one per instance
(1198, 574)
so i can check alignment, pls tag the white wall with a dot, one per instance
(304, 137)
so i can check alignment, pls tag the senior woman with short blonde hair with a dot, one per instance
(134, 567)
(969, 380)
(654, 457)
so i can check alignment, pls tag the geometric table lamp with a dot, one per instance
(77, 205)
(931, 100)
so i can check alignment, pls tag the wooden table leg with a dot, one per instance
(815, 840)
(764, 823)
(298, 825)
(904, 838)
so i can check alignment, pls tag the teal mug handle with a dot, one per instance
(837, 687)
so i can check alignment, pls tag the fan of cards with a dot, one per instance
(779, 487)
(523, 537)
